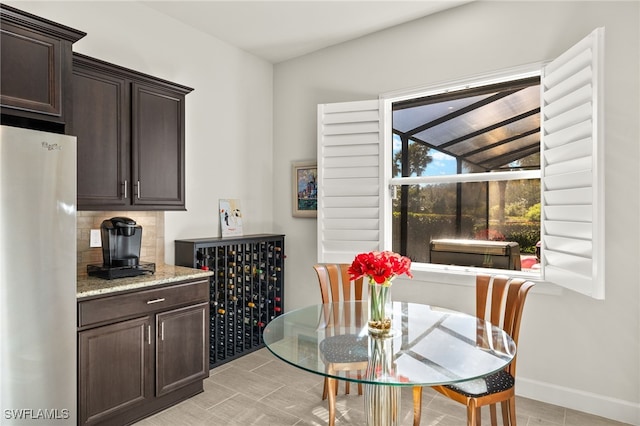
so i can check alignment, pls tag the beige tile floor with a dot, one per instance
(259, 389)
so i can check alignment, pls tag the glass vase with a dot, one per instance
(380, 308)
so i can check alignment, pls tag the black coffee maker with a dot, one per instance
(121, 241)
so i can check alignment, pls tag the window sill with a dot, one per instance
(465, 276)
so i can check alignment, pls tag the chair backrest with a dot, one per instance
(500, 300)
(335, 286)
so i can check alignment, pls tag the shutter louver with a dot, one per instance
(572, 175)
(349, 180)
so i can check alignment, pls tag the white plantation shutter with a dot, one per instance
(572, 168)
(349, 180)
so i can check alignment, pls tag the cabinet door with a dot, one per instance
(101, 123)
(30, 75)
(182, 347)
(158, 146)
(35, 68)
(115, 369)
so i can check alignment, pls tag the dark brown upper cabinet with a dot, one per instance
(130, 130)
(35, 70)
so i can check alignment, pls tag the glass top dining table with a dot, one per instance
(427, 345)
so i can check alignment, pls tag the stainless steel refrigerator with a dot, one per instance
(38, 372)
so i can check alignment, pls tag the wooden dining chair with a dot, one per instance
(499, 300)
(343, 349)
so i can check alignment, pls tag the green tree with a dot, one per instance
(419, 158)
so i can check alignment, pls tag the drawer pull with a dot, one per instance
(151, 302)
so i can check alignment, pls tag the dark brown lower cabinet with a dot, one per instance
(141, 352)
(180, 348)
(116, 369)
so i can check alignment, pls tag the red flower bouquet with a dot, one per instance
(380, 267)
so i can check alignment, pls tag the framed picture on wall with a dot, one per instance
(305, 189)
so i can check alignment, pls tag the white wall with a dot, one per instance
(574, 351)
(229, 122)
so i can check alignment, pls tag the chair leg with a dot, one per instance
(471, 415)
(325, 389)
(494, 415)
(506, 417)
(512, 410)
(395, 405)
(332, 386)
(417, 405)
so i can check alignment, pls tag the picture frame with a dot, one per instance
(305, 189)
(230, 217)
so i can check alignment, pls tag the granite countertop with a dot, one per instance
(93, 286)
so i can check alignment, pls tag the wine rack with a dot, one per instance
(246, 288)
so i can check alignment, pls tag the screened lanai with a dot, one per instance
(474, 130)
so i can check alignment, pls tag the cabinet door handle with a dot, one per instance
(162, 330)
(138, 190)
(125, 188)
(149, 334)
(151, 302)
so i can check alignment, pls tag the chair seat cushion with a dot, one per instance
(494, 383)
(344, 348)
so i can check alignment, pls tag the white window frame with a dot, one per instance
(432, 271)
(354, 172)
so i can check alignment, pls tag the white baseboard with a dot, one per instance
(599, 405)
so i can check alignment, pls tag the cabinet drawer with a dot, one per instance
(113, 308)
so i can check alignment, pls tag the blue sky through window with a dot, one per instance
(442, 164)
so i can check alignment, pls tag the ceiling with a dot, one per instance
(484, 130)
(280, 30)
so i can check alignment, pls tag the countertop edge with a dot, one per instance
(87, 286)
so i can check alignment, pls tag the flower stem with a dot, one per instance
(378, 297)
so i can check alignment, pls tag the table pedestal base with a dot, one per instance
(382, 405)
(381, 402)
